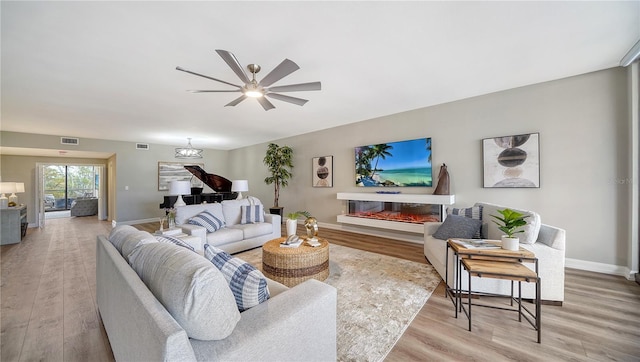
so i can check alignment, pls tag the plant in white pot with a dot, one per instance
(508, 223)
(292, 221)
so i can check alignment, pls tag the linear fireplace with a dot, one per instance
(404, 212)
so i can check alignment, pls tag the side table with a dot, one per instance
(496, 263)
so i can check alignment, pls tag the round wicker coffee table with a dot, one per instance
(292, 266)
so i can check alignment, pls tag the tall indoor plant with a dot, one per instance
(508, 223)
(279, 162)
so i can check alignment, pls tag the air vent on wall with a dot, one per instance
(142, 146)
(69, 141)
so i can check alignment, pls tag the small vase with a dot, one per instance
(172, 223)
(292, 225)
(512, 244)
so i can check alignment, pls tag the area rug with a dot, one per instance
(378, 297)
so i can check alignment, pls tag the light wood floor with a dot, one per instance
(48, 309)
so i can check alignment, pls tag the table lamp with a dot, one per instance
(13, 199)
(239, 186)
(179, 188)
(6, 188)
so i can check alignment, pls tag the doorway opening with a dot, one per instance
(67, 190)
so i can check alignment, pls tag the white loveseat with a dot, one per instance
(547, 242)
(234, 236)
(154, 297)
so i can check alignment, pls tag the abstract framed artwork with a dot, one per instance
(322, 174)
(511, 161)
(175, 171)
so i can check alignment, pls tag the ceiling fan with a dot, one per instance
(253, 88)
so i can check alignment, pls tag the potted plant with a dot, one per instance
(279, 162)
(509, 224)
(292, 221)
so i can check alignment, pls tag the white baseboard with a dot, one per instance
(600, 268)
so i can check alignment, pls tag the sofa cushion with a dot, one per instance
(455, 226)
(135, 240)
(119, 234)
(225, 235)
(474, 212)
(232, 210)
(251, 214)
(531, 230)
(248, 284)
(173, 240)
(208, 221)
(250, 231)
(189, 287)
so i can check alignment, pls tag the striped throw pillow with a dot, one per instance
(174, 240)
(251, 214)
(248, 284)
(472, 213)
(208, 221)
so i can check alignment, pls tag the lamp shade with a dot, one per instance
(7, 187)
(19, 186)
(239, 185)
(180, 188)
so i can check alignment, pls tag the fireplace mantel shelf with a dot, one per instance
(395, 198)
(411, 198)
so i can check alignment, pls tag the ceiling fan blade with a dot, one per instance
(214, 91)
(206, 76)
(282, 97)
(282, 70)
(236, 101)
(265, 103)
(234, 64)
(312, 86)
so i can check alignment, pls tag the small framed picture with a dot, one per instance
(511, 161)
(322, 168)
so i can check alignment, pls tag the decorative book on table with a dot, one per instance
(477, 243)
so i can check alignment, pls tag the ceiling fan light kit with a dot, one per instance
(259, 90)
(188, 152)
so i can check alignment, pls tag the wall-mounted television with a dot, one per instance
(403, 163)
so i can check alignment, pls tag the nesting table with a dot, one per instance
(292, 266)
(498, 263)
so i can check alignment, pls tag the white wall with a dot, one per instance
(583, 125)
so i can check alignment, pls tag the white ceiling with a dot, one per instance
(107, 69)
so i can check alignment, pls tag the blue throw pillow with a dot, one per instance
(173, 240)
(208, 221)
(248, 284)
(251, 214)
(455, 226)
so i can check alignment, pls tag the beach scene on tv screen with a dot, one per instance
(404, 163)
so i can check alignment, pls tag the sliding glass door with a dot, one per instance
(62, 184)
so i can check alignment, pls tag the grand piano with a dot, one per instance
(219, 184)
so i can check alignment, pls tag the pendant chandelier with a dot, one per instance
(188, 152)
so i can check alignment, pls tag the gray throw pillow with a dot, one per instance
(455, 226)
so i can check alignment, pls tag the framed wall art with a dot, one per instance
(322, 171)
(511, 161)
(175, 171)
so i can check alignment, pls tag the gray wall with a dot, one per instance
(583, 125)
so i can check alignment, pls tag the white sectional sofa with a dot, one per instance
(547, 242)
(234, 236)
(154, 297)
